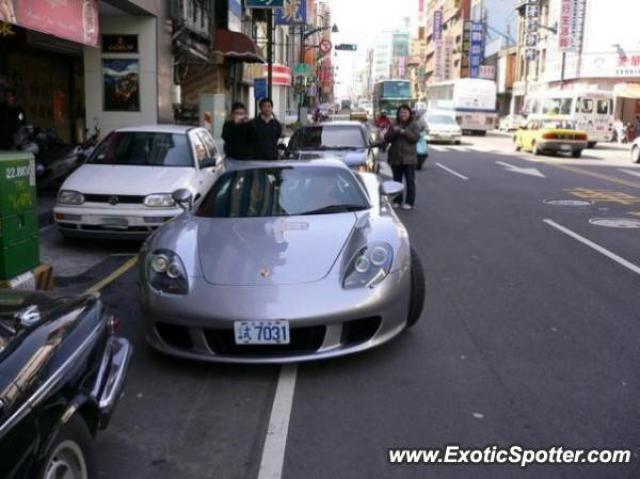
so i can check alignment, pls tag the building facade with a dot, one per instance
(581, 44)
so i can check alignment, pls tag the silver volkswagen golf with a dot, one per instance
(281, 262)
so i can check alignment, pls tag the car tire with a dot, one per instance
(635, 154)
(592, 144)
(576, 154)
(418, 290)
(535, 150)
(516, 145)
(71, 450)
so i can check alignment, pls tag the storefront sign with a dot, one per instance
(488, 72)
(294, 12)
(264, 3)
(121, 83)
(235, 16)
(75, 20)
(119, 44)
(438, 57)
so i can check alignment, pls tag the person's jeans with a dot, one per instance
(408, 173)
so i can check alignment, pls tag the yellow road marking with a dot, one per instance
(601, 176)
(605, 196)
(113, 276)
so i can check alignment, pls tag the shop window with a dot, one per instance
(603, 107)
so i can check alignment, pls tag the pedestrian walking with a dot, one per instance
(403, 136)
(239, 135)
(268, 131)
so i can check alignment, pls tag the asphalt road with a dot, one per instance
(529, 337)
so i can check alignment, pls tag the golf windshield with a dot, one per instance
(327, 137)
(283, 191)
(143, 148)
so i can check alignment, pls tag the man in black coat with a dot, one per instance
(12, 118)
(238, 135)
(267, 131)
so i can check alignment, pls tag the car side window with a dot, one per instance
(200, 149)
(208, 141)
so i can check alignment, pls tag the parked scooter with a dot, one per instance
(55, 159)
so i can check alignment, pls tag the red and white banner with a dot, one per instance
(75, 20)
(571, 24)
(281, 74)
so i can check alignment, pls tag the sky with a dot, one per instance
(358, 22)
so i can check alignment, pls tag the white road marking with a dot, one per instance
(276, 441)
(630, 172)
(618, 259)
(454, 173)
(524, 171)
(438, 148)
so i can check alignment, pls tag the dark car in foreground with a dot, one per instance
(350, 141)
(62, 370)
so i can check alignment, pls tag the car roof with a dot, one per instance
(234, 165)
(338, 123)
(160, 128)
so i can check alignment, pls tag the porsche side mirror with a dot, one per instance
(391, 189)
(183, 198)
(210, 162)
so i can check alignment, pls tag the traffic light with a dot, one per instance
(346, 46)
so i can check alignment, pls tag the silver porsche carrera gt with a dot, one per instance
(281, 262)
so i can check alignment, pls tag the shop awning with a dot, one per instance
(628, 90)
(236, 46)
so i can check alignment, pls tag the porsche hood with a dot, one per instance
(267, 251)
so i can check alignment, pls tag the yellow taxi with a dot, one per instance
(550, 136)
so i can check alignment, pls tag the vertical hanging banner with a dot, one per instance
(438, 56)
(75, 20)
(532, 29)
(476, 52)
(293, 12)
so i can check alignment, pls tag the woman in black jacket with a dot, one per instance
(403, 155)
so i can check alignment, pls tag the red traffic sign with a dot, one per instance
(325, 46)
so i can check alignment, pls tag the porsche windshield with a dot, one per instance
(283, 191)
(328, 137)
(143, 148)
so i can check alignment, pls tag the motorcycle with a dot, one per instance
(55, 159)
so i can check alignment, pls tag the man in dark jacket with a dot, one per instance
(238, 135)
(267, 132)
(12, 118)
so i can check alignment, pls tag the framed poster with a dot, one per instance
(121, 84)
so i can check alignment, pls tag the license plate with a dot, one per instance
(565, 147)
(114, 221)
(262, 332)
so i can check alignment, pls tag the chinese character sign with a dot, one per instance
(476, 48)
(437, 25)
(532, 14)
(293, 12)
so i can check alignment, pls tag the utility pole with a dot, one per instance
(270, 53)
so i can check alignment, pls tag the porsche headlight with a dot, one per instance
(159, 200)
(68, 197)
(166, 272)
(369, 266)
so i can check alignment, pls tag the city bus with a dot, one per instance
(388, 95)
(471, 100)
(588, 111)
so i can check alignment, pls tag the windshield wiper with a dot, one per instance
(334, 209)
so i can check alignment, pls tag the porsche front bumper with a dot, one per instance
(325, 319)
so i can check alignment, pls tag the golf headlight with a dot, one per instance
(369, 266)
(159, 200)
(166, 272)
(67, 197)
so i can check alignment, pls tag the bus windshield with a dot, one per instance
(396, 89)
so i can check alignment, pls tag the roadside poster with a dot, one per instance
(293, 12)
(121, 84)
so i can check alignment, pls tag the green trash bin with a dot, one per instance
(19, 242)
